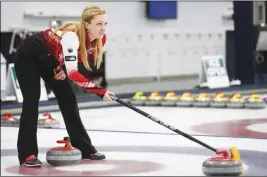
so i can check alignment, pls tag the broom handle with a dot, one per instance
(162, 123)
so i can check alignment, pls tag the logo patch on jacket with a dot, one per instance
(70, 58)
(70, 50)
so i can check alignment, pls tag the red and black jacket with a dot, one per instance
(66, 51)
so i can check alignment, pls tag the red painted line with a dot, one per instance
(121, 167)
(234, 128)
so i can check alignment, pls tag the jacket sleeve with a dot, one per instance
(70, 46)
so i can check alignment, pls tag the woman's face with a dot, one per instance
(97, 27)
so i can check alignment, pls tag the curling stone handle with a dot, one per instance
(66, 142)
(8, 114)
(49, 116)
(223, 152)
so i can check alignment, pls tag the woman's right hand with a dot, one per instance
(108, 96)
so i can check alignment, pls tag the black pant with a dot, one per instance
(32, 63)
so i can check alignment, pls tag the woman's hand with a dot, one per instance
(59, 73)
(108, 96)
(98, 81)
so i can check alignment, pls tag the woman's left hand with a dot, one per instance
(98, 81)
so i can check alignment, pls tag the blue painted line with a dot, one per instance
(89, 107)
(89, 98)
(14, 105)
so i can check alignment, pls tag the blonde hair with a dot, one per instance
(79, 28)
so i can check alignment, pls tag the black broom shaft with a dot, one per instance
(165, 125)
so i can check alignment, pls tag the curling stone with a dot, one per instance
(225, 165)
(154, 99)
(8, 120)
(254, 102)
(235, 101)
(185, 100)
(169, 99)
(221, 166)
(138, 99)
(48, 122)
(202, 100)
(219, 101)
(62, 156)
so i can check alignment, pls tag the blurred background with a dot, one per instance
(156, 46)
